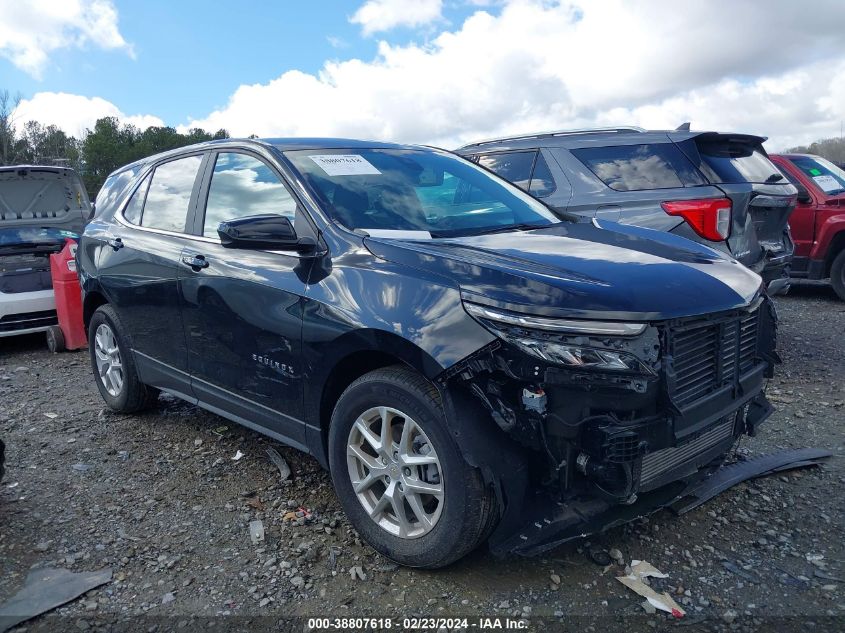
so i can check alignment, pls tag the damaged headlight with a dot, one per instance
(516, 329)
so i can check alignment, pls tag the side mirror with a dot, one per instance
(804, 196)
(263, 232)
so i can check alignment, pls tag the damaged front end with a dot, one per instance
(614, 420)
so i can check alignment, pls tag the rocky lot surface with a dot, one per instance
(160, 499)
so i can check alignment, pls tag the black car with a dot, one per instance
(718, 189)
(460, 358)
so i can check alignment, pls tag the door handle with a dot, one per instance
(115, 242)
(195, 261)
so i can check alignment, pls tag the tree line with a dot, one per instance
(101, 150)
(111, 144)
(832, 149)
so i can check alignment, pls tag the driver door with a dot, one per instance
(242, 308)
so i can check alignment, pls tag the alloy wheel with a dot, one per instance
(109, 365)
(395, 472)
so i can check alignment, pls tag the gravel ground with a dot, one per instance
(159, 499)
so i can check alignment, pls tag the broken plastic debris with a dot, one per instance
(634, 582)
(237, 456)
(51, 415)
(220, 430)
(256, 531)
(46, 589)
(279, 461)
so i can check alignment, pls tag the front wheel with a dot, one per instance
(837, 275)
(399, 475)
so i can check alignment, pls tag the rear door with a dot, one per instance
(139, 265)
(242, 308)
(761, 198)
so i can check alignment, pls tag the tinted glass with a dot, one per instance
(514, 167)
(826, 176)
(415, 190)
(724, 161)
(242, 185)
(542, 183)
(638, 167)
(133, 209)
(169, 194)
(112, 188)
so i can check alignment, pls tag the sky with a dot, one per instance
(442, 72)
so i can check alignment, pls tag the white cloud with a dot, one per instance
(383, 15)
(777, 70)
(74, 113)
(31, 30)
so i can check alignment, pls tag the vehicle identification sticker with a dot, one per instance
(344, 165)
(827, 183)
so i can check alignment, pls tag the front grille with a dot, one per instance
(659, 462)
(709, 356)
(27, 320)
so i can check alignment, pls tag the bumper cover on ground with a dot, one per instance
(553, 524)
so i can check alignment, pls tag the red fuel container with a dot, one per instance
(70, 333)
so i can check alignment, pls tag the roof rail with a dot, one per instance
(589, 130)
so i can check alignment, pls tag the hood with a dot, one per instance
(43, 196)
(594, 269)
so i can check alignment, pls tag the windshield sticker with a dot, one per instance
(827, 183)
(815, 172)
(345, 165)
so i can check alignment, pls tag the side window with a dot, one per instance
(114, 186)
(512, 166)
(639, 167)
(542, 183)
(132, 212)
(169, 194)
(242, 185)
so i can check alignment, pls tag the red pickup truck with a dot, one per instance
(818, 221)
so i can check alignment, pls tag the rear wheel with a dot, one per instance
(114, 366)
(399, 475)
(837, 275)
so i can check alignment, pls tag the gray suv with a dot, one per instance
(718, 189)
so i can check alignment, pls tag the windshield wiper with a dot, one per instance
(525, 226)
(773, 178)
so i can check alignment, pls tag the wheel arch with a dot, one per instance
(837, 245)
(93, 300)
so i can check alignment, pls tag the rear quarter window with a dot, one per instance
(640, 167)
(111, 191)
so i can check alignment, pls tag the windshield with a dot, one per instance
(827, 176)
(416, 190)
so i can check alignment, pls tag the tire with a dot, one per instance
(837, 274)
(458, 520)
(128, 394)
(55, 339)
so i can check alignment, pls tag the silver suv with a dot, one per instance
(718, 189)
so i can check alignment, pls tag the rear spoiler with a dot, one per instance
(678, 136)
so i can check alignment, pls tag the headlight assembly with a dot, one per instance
(536, 336)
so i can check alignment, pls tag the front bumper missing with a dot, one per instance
(565, 522)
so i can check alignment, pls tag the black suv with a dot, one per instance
(463, 361)
(718, 189)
